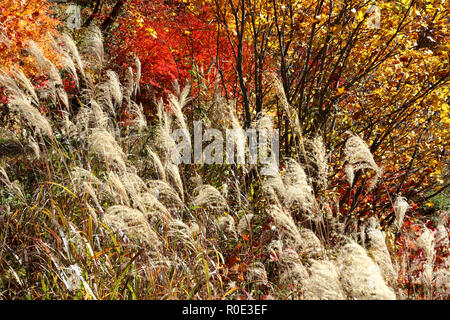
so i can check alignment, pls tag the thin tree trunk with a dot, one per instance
(113, 15)
(91, 17)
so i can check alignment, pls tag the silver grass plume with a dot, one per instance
(31, 114)
(129, 84)
(65, 60)
(265, 125)
(96, 114)
(77, 270)
(177, 103)
(295, 274)
(94, 45)
(426, 242)
(161, 112)
(357, 157)
(360, 276)
(80, 175)
(318, 156)
(104, 97)
(71, 279)
(173, 173)
(135, 187)
(257, 273)
(442, 283)
(12, 87)
(164, 132)
(76, 238)
(133, 223)
(426, 278)
(224, 190)
(157, 164)
(115, 87)
(290, 112)
(377, 249)
(139, 120)
(286, 224)
(152, 205)
(291, 267)
(209, 196)
(103, 143)
(47, 67)
(240, 137)
(288, 255)
(14, 186)
(266, 130)
(88, 188)
(72, 48)
(274, 187)
(44, 64)
(323, 282)
(311, 245)
(195, 180)
(81, 122)
(117, 188)
(297, 186)
(400, 208)
(22, 103)
(137, 79)
(133, 182)
(34, 145)
(292, 116)
(163, 189)
(22, 79)
(441, 237)
(179, 231)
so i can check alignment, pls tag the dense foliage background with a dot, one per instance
(92, 206)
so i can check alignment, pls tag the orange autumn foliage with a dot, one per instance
(19, 22)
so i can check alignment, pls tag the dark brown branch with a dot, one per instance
(113, 15)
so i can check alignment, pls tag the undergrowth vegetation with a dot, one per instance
(93, 207)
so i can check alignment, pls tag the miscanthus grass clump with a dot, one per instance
(99, 210)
